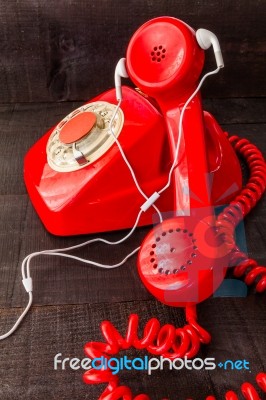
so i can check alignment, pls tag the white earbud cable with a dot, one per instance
(180, 128)
(25, 266)
(127, 162)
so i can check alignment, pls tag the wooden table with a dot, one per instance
(71, 300)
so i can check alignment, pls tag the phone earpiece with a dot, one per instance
(206, 39)
(120, 72)
(163, 57)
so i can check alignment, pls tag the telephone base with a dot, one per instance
(102, 196)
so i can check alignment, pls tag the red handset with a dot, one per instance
(181, 261)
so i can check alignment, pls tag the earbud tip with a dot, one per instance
(200, 39)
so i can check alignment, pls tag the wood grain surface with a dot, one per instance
(68, 49)
(27, 358)
(71, 300)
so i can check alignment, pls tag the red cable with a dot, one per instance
(167, 341)
(239, 208)
(115, 392)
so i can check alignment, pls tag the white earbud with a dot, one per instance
(206, 39)
(120, 72)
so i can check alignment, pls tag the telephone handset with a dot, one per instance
(164, 60)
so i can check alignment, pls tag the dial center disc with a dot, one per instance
(78, 127)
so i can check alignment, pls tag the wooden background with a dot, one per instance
(53, 55)
(68, 49)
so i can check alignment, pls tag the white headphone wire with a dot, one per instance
(27, 281)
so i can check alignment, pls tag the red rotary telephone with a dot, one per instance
(79, 183)
(75, 176)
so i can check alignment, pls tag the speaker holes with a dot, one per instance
(165, 239)
(158, 53)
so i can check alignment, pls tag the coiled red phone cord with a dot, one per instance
(239, 208)
(172, 342)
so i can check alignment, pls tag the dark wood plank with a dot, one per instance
(256, 220)
(253, 132)
(66, 281)
(237, 111)
(69, 51)
(26, 358)
(12, 219)
(21, 126)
